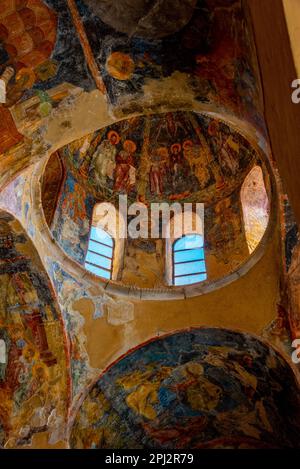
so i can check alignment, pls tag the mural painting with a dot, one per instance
(212, 56)
(203, 388)
(77, 203)
(27, 39)
(33, 369)
(175, 157)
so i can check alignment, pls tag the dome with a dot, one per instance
(175, 158)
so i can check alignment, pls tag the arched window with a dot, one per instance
(189, 260)
(100, 253)
(256, 207)
(2, 351)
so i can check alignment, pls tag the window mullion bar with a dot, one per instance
(188, 275)
(98, 254)
(188, 249)
(189, 262)
(99, 242)
(98, 266)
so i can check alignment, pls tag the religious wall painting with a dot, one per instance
(225, 235)
(34, 378)
(27, 39)
(71, 222)
(177, 156)
(290, 231)
(173, 157)
(51, 185)
(213, 54)
(203, 388)
(143, 264)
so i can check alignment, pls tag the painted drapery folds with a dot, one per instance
(205, 388)
(175, 156)
(171, 157)
(33, 372)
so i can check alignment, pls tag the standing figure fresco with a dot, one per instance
(158, 170)
(125, 168)
(104, 159)
(33, 377)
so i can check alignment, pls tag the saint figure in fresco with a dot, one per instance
(179, 168)
(104, 159)
(125, 171)
(74, 202)
(158, 170)
(225, 147)
(196, 158)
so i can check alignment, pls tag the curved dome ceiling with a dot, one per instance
(144, 18)
(173, 157)
(193, 158)
(205, 388)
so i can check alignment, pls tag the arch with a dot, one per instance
(105, 249)
(188, 260)
(212, 375)
(185, 229)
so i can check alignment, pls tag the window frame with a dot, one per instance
(187, 262)
(101, 255)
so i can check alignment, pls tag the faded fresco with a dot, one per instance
(27, 40)
(206, 388)
(213, 56)
(34, 368)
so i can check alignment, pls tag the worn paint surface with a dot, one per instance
(206, 388)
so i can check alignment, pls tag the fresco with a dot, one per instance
(51, 185)
(27, 39)
(34, 372)
(175, 156)
(77, 203)
(212, 57)
(69, 290)
(203, 388)
(290, 231)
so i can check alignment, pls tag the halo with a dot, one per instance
(187, 143)
(120, 66)
(175, 145)
(114, 133)
(129, 145)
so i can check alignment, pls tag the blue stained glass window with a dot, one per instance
(189, 260)
(99, 256)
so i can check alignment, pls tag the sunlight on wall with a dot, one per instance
(255, 204)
